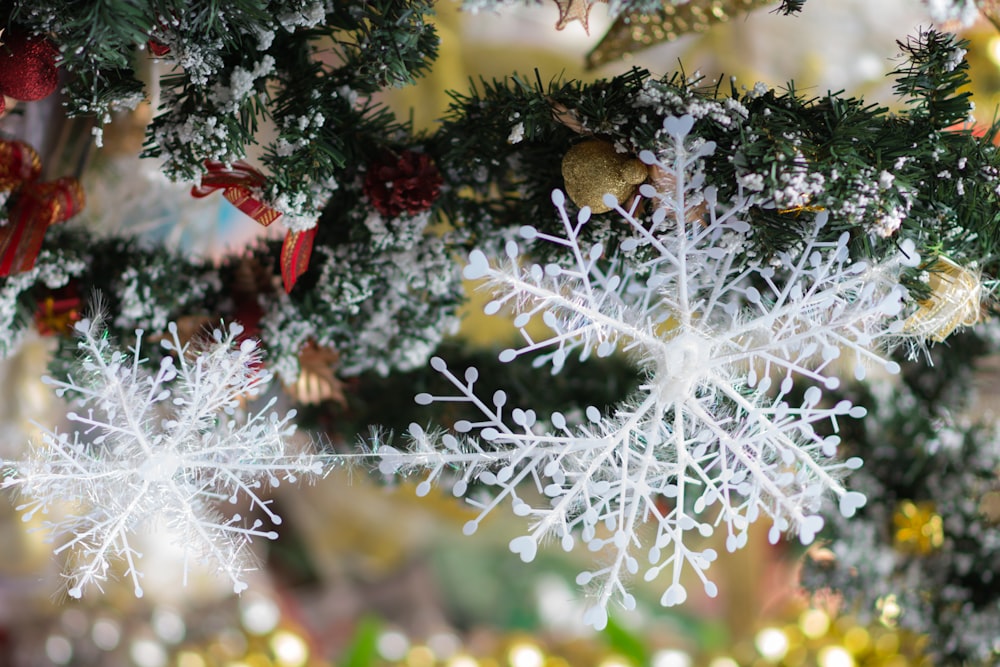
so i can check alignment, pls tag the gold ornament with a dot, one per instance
(635, 30)
(593, 168)
(919, 528)
(317, 380)
(955, 299)
(575, 10)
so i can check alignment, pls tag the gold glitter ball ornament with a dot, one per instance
(919, 528)
(955, 299)
(593, 168)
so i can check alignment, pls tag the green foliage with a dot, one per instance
(882, 176)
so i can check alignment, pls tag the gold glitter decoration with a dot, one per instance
(592, 168)
(638, 31)
(919, 528)
(955, 299)
(575, 10)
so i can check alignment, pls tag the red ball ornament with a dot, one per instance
(28, 67)
(407, 182)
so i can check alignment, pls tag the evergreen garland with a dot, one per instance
(919, 174)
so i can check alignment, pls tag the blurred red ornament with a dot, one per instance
(58, 311)
(407, 182)
(32, 207)
(28, 68)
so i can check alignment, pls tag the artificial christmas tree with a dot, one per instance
(715, 284)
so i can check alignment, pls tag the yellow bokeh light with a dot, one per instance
(524, 654)
(462, 660)
(835, 656)
(289, 649)
(856, 640)
(723, 661)
(887, 644)
(814, 623)
(889, 610)
(771, 643)
(190, 659)
(994, 49)
(614, 661)
(671, 658)
(420, 656)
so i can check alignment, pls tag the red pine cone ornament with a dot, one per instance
(407, 182)
(27, 68)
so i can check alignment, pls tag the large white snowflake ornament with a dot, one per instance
(712, 437)
(165, 449)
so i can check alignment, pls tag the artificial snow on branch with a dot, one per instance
(714, 436)
(166, 449)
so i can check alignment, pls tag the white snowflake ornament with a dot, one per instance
(159, 449)
(712, 438)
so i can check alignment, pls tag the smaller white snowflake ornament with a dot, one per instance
(715, 436)
(165, 448)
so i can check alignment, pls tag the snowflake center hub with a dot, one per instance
(682, 365)
(160, 467)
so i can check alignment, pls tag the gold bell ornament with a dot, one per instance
(593, 168)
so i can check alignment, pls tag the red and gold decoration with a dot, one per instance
(634, 31)
(575, 10)
(57, 311)
(955, 301)
(919, 529)
(27, 68)
(241, 185)
(402, 182)
(593, 168)
(32, 206)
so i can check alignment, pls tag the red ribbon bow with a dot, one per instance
(240, 185)
(33, 205)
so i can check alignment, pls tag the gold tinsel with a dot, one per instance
(955, 299)
(593, 168)
(634, 31)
